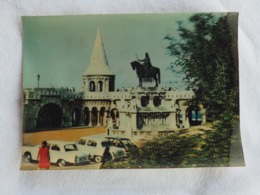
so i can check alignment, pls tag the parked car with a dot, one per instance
(122, 142)
(95, 146)
(61, 153)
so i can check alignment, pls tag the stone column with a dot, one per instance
(82, 118)
(106, 85)
(123, 121)
(183, 117)
(203, 117)
(105, 119)
(133, 121)
(90, 118)
(98, 117)
(151, 101)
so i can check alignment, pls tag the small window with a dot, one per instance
(82, 142)
(70, 147)
(92, 143)
(92, 86)
(55, 148)
(144, 101)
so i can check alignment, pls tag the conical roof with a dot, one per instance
(98, 63)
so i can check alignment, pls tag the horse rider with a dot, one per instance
(146, 63)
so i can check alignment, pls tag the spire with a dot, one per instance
(98, 63)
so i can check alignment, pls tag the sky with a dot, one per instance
(59, 48)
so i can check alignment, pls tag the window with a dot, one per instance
(55, 147)
(92, 143)
(70, 147)
(100, 86)
(157, 101)
(92, 86)
(82, 142)
(144, 101)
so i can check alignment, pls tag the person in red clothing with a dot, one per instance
(43, 157)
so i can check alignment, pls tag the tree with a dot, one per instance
(205, 55)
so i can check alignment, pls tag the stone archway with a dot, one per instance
(49, 116)
(194, 115)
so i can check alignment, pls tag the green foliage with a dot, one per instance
(211, 148)
(204, 54)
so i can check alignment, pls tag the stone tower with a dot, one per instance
(98, 77)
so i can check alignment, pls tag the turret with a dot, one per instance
(98, 77)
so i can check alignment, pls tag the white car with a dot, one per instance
(61, 152)
(95, 146)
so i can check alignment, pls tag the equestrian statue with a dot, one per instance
(145, 71)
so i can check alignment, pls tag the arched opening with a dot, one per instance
(100, 86)
(86, 116)
(115, 118)
(157, 100)
(92, 86)
(94, 116)
(194, 115)
(144, 101)
(76, 117)
(49, 116)
(102, 116)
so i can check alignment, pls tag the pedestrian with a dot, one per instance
(106, 157)
(43, 156)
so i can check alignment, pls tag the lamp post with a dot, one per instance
(38, 78)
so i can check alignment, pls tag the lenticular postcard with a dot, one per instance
(131, 91)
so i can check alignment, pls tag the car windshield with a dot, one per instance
(106, 143)
(70, 147)
(127, 142)
(82, 142)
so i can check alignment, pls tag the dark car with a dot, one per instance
(122, 142)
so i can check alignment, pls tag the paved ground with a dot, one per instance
(34, 166)
(70, 134)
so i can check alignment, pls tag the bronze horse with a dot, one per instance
(154, 73)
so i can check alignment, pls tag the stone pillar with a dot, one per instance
(203, 117)
(183, 117)
(98, 117)
(105, 119)
(106, 85)
(151, 101)
(123, 121)
(82, 118)
(133, 121)
(90, 118)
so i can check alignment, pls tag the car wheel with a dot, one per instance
(61, 163)
(98, 159)
(27, 157)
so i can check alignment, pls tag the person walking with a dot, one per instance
(43, 156)
(106, 157)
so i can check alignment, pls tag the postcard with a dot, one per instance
(131, 91)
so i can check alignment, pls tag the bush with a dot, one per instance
(181, 150)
